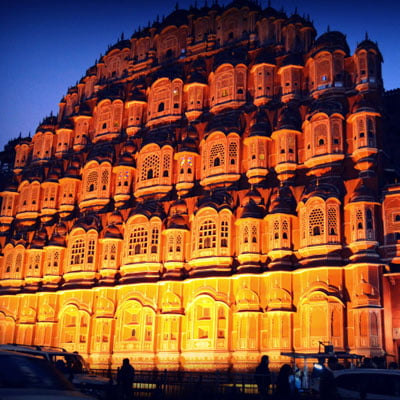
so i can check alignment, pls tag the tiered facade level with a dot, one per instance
(212, 190)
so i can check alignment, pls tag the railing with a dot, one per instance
(189, 385)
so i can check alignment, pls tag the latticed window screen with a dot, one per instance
(285, 229)
(138, 241)
(18, 263)
(207, 235)
(105, 177)
(77, 252)
(359, 219)
(276, 229)
(154, 240)
(151, 162)
(316, 222)
(8, 264)
(91, 181)
(91, 250)
(320, 134)
(224, 233)
(179, 241)
(245, 234)
(254, 234)
(332, 221)
(233, 152)
(361, 125)
(217, 155)
(166, 163)
(56, 259)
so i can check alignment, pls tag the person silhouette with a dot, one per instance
(125, 378)
(285, 387)
(327, 384)
(263, 377)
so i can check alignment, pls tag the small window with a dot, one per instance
(217, 162)
(161, 107)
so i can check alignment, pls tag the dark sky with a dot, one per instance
(47, 46)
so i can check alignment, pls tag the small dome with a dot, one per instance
(178, 207)
(261, 125)
(323, 190)
(177, 222)
(293, 59)
(188, 145)
(330, 41)
(282, 201)
(115, 218)
(363, 193)
(328, 107)
(363, 104)
(137, 95)
(66, 124)
(252, 210)
(289, 118)
(112, 232)
(367, 44)
(39, 239)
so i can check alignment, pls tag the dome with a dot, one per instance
(322, 190)
(66, 124)
(367, 44)
(362, 193)
(112, 232)
(178, 207)
(136, 95)
(39, 239)
(188, 145)
(363, 104)
(282, 201)
(330, 41)
(252, 209)
(289, 118)
(231, 56)
(293, 59)
(328, 107)
(115, 218)
(177, 222)
(261, 126)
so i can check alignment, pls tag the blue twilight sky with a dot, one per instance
(47, 46)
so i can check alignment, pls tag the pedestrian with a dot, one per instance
(125, 378)
(263, 377)
(327, 384)
(285, 386)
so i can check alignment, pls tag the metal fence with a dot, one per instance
(170, 385)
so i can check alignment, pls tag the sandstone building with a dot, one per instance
(213, 189)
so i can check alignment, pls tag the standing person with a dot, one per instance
(263, 377)
(285, 387)
(327, 384)
(125, 379)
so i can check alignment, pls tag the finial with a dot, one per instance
(366, 35)
(269, 3)
(176, 6)
(295, 11)
(328, 29)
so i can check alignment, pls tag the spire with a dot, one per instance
(366, 35)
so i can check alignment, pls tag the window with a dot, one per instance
(137, 241)
(207, 235)
(316, 222)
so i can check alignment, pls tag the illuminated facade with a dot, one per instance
(212, 190)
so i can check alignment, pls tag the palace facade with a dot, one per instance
(213, 189)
